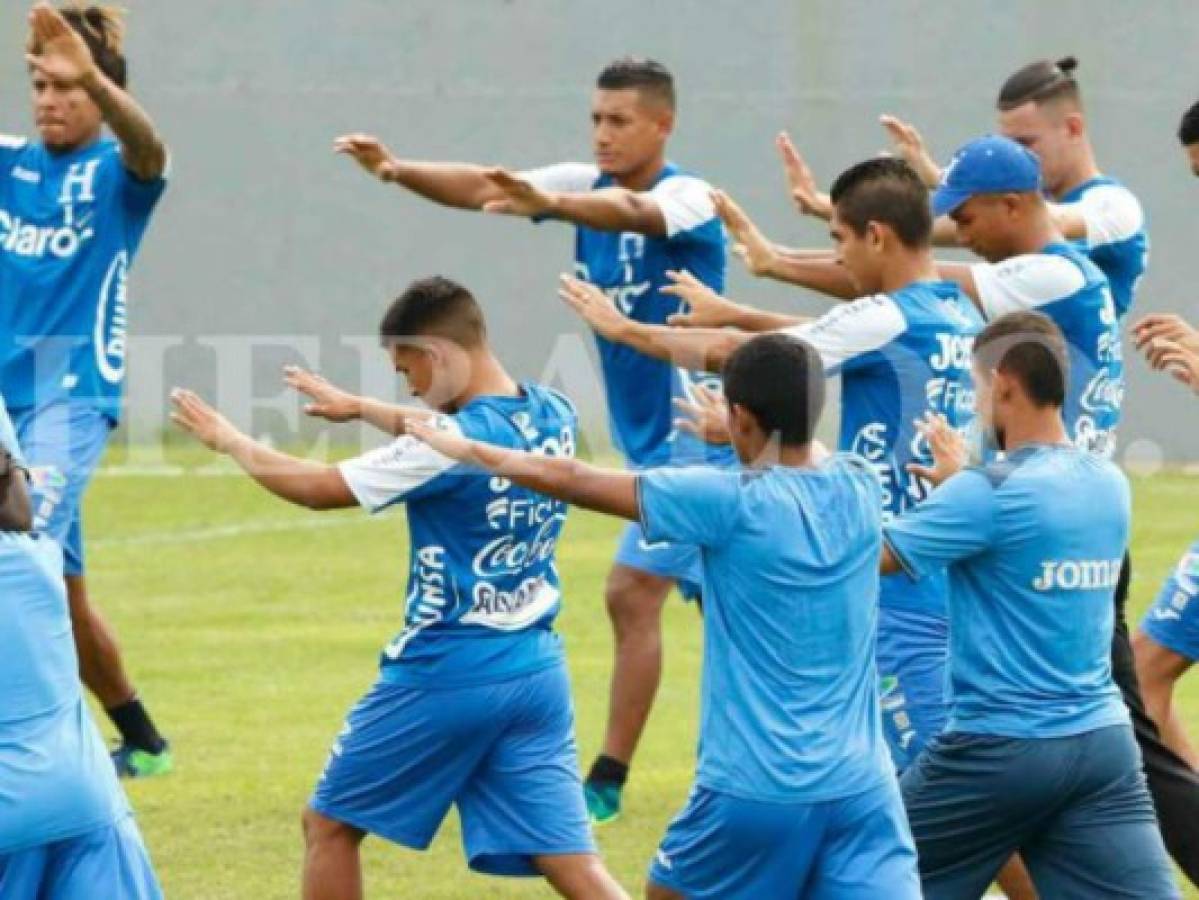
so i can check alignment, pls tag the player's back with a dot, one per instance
(1032, 616)
(483, 587)
(790, 709)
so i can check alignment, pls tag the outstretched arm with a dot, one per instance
(330, 402)
(575, 482)
(461, 185)
(690, 348)
(710, 310)
(58, 53)
(299, 481)
(606, 209)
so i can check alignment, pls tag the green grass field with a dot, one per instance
(251, 627)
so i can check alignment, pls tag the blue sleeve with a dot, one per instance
(695, 505)
(956, 522)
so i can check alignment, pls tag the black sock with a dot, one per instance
(133, 722)
(606, 770)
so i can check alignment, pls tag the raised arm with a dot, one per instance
(58, 53)
(335, 405)
(689, 348)
(575, 482)
(606, 209)
(710, 310)
(461, 185)
(300, 481)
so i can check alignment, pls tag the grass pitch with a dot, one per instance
(251, 627)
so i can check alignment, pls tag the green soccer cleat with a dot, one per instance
(130, 762)
(603, 802)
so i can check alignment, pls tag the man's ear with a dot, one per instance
(1076, 124)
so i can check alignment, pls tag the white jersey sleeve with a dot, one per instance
(1025, 282)
(385, 476)
(10, 146)
(852, 330)
(566, 178)
(1111, 213)
(685, 202)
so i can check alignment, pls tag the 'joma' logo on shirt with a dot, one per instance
(1078, 574)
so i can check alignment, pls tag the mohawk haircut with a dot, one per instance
(1030, 347)
(434, 307)
(1041, 82)
(888, 191)
(646, 76)
(1188, 128)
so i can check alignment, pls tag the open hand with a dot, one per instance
(369, 152)
(521, 197)
(809, 199)
(1165, 326)
(707, 308)
(55, 50)
(909, 144)
(202, 422)
(947, 445)
(749, 244)
(328, 401)
(1176, 359)
(596, 307)
(703, 414)
(445, 440)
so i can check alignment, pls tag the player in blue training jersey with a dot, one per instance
(636, 216)
(902, 350)
(74, 205)
(1039, 755)
(66, 829)
(472, 706)
(794, 794)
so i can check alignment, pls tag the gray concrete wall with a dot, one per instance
(265, 235)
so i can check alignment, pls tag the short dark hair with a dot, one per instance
(780, 379)
(103, 30)
(434, 307)
(885, 190)
(1031, 348)
(1188, 128)
(649, 77)
(1041, 82)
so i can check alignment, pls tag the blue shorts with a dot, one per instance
(857, 848)
(678, 561)
(62, 442)
(504, 754)
(105, 862)
(1173, 619)
(1076, 808)
(913, 649)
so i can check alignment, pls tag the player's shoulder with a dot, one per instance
(13, 142)
(1055, 273)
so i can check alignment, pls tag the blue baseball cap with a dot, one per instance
(987, 165)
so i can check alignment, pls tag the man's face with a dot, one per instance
(627, 132)
(985, 224)
(858, 253)
(436, 370)
(66, 117)
(1051, 132)
(1192, 151)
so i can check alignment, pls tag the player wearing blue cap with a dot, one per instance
(74, 206)
(794, 794)
(66, 830)
(902, 350)
(1039, 755)
(472, 705)
(636, 216)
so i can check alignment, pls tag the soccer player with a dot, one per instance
(66, 829)
(902, 350)
(472, 706)
(1039, 755)
(74, 205)
(636, 215)
(794, 795)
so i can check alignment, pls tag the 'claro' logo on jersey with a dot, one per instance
(112, 321)
(29, 241)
